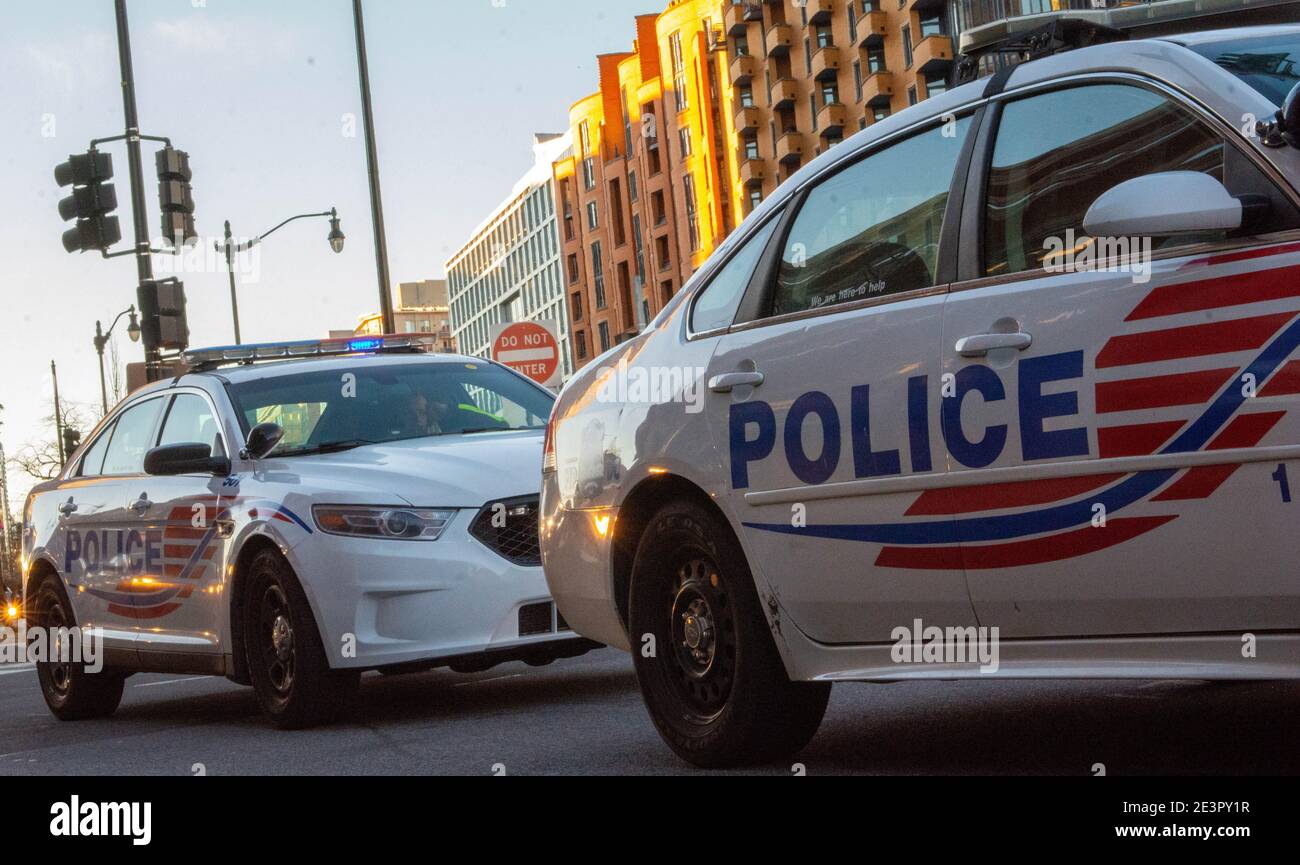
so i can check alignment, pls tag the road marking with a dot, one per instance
(25, 668)
(485, 681)
(170, 682)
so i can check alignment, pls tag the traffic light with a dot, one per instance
(71, 439)
(162, 315)
(175, 196)
(93, 198)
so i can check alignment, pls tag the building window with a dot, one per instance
(577, 306)
(692, 215)
(911, 95)
(876, 59)
(824, 37)
(742, 45)
(584, 137)
(684, 136)
(598, 275)
(589, 173)
(857, 80)
(679, 71)
(573, 268)
(935, 84)
(830, 92)
(580, 340)
(593, 215)
(755, 196)
(880, 112)
(751, 148)
(853, 25)
(812, 106)
(932, 25)
(604, 336)
(631, 185)
(907, 46)
(807, 51)
(747, 96)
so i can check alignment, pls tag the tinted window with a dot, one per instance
(93, 462)
(190, 421)
(390, 402)
(132, 436)
(1057, 152)
(872, 229)
(717, 305)
(1270, 64)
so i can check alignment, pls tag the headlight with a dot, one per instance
(400, 524)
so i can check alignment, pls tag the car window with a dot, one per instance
(190, 420)
(718, 303)
(375, 403)
(93, 462)
(132, 437)
(1057, 152)
(872, 229)
(1270, 64)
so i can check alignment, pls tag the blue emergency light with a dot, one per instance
(207, 358)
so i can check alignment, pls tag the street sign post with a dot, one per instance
(531, 348)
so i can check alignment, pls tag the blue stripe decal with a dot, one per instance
(1075, 514)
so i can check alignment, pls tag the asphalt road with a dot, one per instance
(585, 716)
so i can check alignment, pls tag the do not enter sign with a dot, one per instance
(530, 348)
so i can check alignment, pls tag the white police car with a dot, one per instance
(288, 519)
(1024, 357)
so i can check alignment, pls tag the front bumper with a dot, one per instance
(383, 602)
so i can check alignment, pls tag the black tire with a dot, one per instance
(715, 687)
(71, 693)
(286, 660)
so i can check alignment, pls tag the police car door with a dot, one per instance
(825, 398)
(185, 514)
(114, 555)
(1082, 398)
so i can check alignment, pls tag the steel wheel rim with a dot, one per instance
(275, 633)
(55, 619)
(701, 628)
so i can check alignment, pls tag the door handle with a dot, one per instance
(729, 381)
(981, 344)
(140, 505)
(68, 508)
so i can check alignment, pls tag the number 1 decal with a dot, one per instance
(1283, 482)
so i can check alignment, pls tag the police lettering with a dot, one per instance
(126, 553)
(753, 425)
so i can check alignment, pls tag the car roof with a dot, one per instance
(1230, 34)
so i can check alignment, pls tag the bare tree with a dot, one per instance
(40, 459)
(116, 375)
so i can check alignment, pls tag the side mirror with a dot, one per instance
(1284, 128)
(262, 439)
(184, 459)
(1171, 202)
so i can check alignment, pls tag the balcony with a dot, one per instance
(932, 54)
(933, 6)
(785, 93)
(832, 119)
(820, 11)
(744, 69)
(791, 147)
(878, 88)
(737, 16)
(872, 28)
(748, 120)
(826, 62)
(779, 39)
(753, 171)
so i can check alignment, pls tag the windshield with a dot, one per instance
(350, 406)
(1270, 64)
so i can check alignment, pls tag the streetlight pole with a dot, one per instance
(372, 165)
(336, 240)
(101, 340)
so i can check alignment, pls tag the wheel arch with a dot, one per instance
(634, 515)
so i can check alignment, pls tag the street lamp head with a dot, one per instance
(133, 327)
(336, 233)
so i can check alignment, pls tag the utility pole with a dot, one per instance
(144, 264)
(58, 416)
(372, 164)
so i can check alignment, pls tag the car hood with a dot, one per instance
(464, 471)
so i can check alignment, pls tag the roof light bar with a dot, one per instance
(207, 358)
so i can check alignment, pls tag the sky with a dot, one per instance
(264, 96)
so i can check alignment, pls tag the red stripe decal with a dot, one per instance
(1246, 431)
(1192, 388)
(1197, 483)
(966, 500)
(1052, 548)
(1244, 255)
(1138, 440)
(1285, 382)
(1199, 340)
(1219, 292)
(152, 613)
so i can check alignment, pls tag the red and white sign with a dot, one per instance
(531, 348)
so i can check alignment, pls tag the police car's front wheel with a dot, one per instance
(286, 659)
(72, 693)
(707, 665)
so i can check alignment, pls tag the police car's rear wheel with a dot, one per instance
(286, 659)
(714, 684)
(71, 693)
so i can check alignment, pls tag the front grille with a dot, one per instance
(534, 619)
(509, 528)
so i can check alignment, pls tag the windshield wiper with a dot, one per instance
(327, 448)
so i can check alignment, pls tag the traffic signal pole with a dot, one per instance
(372, 167)
(144, 264)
